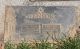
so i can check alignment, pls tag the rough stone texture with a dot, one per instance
(9, 23)
(4, 3)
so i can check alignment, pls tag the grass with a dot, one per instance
(70, 43)
(44, 45)
(23, 45)
(9, 45)
(66, 43)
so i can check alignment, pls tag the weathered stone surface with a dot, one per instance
(16, 15)
(9, 22)
(4, 3)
